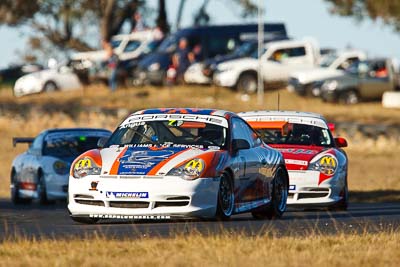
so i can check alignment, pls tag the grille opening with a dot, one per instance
(178, 198)
(319, 190)
(129, 204)
(90, 202)
(160, 204)
(83, 196)
(291, 195)
(312, 195)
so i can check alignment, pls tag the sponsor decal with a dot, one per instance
(140, 162)
(83, 163)
(130, 217)
(328, 165)
(93, 186)
(297, 151)
(292, 187)
(296, 162)
(129, 195)
(195, 164)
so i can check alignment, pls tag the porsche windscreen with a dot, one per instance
(297, 134)
(70, 144)
(203, 132)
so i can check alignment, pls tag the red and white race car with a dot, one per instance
(315, 160)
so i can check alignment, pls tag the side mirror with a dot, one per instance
(239, 144)
(102, 142)
(340, 142)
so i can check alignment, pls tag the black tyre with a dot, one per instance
(279, 198)
(247, 83)
(42, 190)
(50, 87)
(350, 97)
(15, 195)
(226, 198)
(85, 220)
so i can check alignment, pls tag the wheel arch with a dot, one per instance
(49, 82)
(248, 71)
(229, 171)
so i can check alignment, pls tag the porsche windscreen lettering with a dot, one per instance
(300, 120)
(185, 117)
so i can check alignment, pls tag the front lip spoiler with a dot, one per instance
(139, 218)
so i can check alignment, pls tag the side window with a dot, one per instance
(347, 63)
(220, 46)
(240, 130)
(297, 51)
(284, 53)
(131, 46)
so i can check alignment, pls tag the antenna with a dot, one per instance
(278, 100)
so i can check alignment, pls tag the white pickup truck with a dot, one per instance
(308, 82)
(279, 59)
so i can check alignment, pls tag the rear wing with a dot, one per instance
(17, 140)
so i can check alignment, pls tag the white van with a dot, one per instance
(279, 59)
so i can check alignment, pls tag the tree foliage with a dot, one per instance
(386, 10)
(70, 24)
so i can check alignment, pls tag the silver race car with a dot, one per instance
(42, 171)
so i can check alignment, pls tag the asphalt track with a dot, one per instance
(35, 221)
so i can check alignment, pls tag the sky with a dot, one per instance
(309, 18)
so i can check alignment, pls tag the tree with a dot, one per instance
(64, 25)
(388, 11)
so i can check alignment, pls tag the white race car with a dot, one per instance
(48, 80)
(316, 163)
(42, 171)
(179, 163)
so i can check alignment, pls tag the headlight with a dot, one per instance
(223, 68)
(85, 166)
(330, 85)
(154, 67)
(190, 170)
(326, 165)
(60, 167)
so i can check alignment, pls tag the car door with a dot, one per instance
(66, 79)
(246, 163)
(372, 85)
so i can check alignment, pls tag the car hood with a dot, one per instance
(316, 74)
(246, 62)
(298, 157)
(156, 161)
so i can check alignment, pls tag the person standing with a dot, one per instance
(112, 65)
(139, 25)
(181, 59)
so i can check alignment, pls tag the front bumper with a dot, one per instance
(303, 89)
(304, 189)
(121, 196)
(225, 78)
(196, 76)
